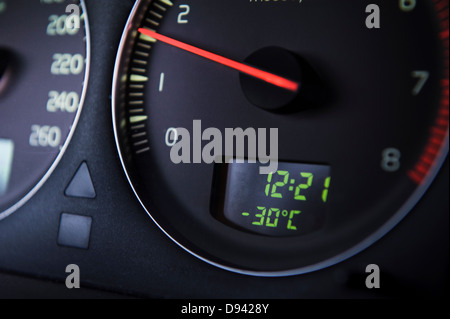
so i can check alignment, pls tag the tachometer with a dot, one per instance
(280, 137)
(44, 63)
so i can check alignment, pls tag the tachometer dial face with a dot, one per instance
(280, 137)
(44, 62)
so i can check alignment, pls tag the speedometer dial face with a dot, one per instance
(44, 62)
(280, 137)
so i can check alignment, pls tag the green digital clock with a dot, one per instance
(288, 202)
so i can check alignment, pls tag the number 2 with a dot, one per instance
(299, 187)
(181, 17)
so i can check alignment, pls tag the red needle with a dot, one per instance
(257, 73)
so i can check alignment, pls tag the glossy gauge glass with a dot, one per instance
(361, 133)
(44, 49)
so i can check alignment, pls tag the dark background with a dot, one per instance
(129, 256)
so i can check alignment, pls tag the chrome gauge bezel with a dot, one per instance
(126, 42)
(64, 147)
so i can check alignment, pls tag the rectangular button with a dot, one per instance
(74, 230)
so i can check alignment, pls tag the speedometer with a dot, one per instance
(44, 63)
(280, 137)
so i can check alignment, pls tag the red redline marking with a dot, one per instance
(446, 91)
(438, 131)
(442, 122)
(415, 177)
(443, 112)
(440, 6)
(427, 159)
(432, 150)
(421, 168)
(241, 67)
(436, 141)
(442, 15)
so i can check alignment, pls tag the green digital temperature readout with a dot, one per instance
(289, 202)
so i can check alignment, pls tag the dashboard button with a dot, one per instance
(81, 184)
(74, 231)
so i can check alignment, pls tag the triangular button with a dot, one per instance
(81, 184)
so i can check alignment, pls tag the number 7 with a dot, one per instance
(422, 77)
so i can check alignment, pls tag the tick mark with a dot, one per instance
(161, 82)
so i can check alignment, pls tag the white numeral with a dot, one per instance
(390, 159)
(64, 102)
(63, 25)
(422, 77)
(171, 136)
(65, 64)
(43, 136)
(183, 14)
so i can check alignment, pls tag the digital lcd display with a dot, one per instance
(289, 202)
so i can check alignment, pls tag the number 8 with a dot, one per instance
(390, 159)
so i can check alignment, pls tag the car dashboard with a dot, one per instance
(102, 185)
